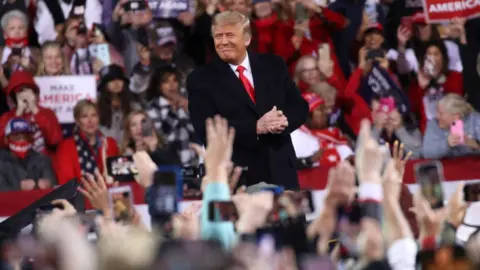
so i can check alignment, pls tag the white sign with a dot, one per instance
(61, 93)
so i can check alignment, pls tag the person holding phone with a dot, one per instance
(442, 139)
(24, 94)
(16, 54)
(389, 125)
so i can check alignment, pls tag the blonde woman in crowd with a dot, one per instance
(53, 62)
(443, 139)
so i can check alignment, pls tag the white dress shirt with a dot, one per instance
(45, 26)
(247, 72)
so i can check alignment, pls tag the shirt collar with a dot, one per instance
(245, 64)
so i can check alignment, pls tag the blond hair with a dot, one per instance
(133, 249)
(323, 89)
(127, 135)
(81, 106)
(232, 17)
(299, 66)
(454, 103)
(51, 44)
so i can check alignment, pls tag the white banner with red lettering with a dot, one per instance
(444, 10)
(61, 93)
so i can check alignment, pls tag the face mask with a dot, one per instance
(17, 42)
(20, 148)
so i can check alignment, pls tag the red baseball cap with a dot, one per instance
(313, 101)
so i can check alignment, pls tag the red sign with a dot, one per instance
(445, 10)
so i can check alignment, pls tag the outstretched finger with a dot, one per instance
(100, 180)
(407, 156)
(86, 183)
(235, 177)
(85, 193)
(401, 151)
(395, 150)
(198, 149)
(92, 182)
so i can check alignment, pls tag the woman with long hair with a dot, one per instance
(115, 100)
(53, 62)
(88, 149)
(168, 110)
(140, 135)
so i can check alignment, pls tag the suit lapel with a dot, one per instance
(259, 80)
(234, 85)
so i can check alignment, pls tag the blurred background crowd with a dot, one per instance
(385, 61)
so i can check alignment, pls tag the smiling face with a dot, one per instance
(52, 59)
(169, 86)
(231, 42)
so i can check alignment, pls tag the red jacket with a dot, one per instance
(262, 30)
(47, 122)
(320, 32)
(453, 84)
(66, 162)
(352, 104)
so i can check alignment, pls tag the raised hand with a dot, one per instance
(368, 158)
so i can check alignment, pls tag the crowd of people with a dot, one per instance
(353, 62)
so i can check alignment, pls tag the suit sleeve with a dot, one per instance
(201, 107)
(296, 108)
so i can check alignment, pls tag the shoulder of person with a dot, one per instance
(66, 145)
(4, 154)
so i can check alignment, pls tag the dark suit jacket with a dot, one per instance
(215, 89)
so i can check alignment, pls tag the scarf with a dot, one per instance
(328, 138)
(88, 156)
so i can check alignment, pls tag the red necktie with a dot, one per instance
(246, 83)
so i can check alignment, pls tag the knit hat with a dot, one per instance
(17, 125)
(313, 101)
(20, 79)
(110, 73)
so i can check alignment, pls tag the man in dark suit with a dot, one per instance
(255, 93)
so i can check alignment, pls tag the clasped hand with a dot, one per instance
(273, 121)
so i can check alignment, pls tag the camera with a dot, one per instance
(82, 29)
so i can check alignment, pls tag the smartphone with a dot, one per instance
(82, 28)
(407, 22)
(317, 262)
(471, 192)
(121, 168)
(301, 199)
(135, 5)
(101, 52)
(147, 127)
(168, 186)
(304, 201)
(220, 211)
(301, 13)
(457, 129)
(387, 105)
(429, 67)
(374, 54)
(16, 51)
(121, 203)
(192, 182)
(429, 175)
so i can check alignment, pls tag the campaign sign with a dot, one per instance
(438, 11)
(61, 93)
(168, 8)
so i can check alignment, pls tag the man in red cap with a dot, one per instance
(23, 93)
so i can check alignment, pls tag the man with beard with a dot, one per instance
(51, 16)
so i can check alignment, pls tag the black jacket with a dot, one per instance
(215, 89)
(35, 166)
